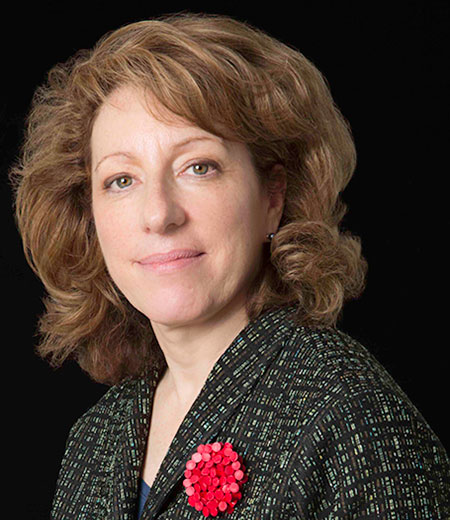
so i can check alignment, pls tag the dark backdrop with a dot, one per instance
(385, 64)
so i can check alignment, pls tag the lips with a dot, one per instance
(162, 258)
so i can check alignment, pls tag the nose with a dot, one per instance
(161, 208)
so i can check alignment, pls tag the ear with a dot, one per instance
(276, 191)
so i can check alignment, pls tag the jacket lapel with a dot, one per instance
(131, 446)
(232, 377)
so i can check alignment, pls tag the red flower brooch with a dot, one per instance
(214, 476)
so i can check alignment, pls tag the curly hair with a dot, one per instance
(228, 78)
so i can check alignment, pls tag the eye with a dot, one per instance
(123, 182)
(201, 169)
(120, 182)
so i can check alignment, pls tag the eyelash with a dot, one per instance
(210, 164)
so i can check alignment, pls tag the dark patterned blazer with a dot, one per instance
(323, 430)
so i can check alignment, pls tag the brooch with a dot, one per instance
(213, 478)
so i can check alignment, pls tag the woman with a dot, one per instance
(179, 197)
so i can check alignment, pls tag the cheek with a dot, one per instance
(235, 209)
(113, 230)
(244, 216)
(235, 227)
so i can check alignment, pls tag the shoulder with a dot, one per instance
(333, 377)
(90, 450)
(358, 428)
(106, 415)
(331, 363)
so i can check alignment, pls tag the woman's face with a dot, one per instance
(159, 187)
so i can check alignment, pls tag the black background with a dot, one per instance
(387, 66)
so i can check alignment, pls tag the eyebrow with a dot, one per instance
(115, 154)
(176, 146)
(189, 140)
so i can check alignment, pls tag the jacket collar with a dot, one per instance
(231, 378)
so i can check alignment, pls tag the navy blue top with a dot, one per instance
(144, 490)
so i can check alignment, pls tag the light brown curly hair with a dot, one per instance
(205, 68)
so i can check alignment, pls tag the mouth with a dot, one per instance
(170, 262)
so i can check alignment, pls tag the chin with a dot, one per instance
(176, 312)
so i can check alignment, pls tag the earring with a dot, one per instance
(270, 236)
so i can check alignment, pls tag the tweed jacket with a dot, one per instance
(323, 430)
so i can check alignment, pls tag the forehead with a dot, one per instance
(128, 102)
(128, 112)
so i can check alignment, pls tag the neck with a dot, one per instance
(191, 350)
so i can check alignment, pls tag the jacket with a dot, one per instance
(322, 428)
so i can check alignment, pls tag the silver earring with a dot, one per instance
(270, 236)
